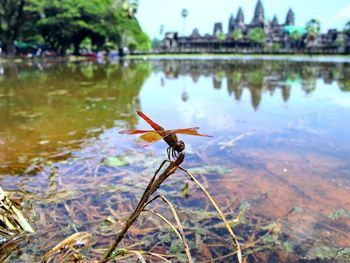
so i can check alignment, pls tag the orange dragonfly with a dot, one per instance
(176, 146)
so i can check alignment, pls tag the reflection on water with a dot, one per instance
(258, 76)
(47, 110)
(280, 147)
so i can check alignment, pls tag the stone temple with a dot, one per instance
(278, 37)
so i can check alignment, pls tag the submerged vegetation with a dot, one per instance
(70, 248)
(72, 226)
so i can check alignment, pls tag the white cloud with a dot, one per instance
(343, 13)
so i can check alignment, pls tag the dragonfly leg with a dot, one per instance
(173, 153)
(168, 150)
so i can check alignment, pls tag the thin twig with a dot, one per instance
(223, 218)
(139, 255)
(184, 244)
(127, 253)
(153, 186)
(178, 222)
(157, 256)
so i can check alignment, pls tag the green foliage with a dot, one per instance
(129, 32)
(287, 247)
(119, 252)
(329, 253)
(128, 6)
(295, 36)
(13, 15)
(155, 43)
(340, 40)
(347, 28)
(115, 161)
(257, 35)
(220, 36)
(341, 213)
(344, 84)
(313, 28)
(313, 25)
(67, 23)
(256, 77)
(237, 34)
(276, 46)
(184, 13)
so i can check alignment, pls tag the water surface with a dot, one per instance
(280, 149)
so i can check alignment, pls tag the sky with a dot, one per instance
(202, 14)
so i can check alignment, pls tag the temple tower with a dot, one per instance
(195, 33)
(290, 19)
(259, 16)
(237, 22)
(274, 21)
(231, 24)
(217, 28)
(240, 16)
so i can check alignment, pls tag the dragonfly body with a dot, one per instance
(169, 136)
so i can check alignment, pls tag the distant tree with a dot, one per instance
(276, 46)
(155, 43)
(257, 35)
(237, 34)
(313, 25)
(347, 28)
(313, 28)
(67, 23)
(128, 32)
(220, 36)
(295, 36)
(128, 6)
(64, 23)
(13, 14)
(184, 14)
(340, 40)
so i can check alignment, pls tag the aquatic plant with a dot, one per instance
(13, 224)
(152, 187)
(11, 218)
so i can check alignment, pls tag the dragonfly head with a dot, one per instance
(179, 146)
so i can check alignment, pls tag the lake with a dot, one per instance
(278, 158)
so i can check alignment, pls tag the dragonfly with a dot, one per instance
(175, 146)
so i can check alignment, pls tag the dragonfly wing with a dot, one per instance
(190, 131)
(151, 137)
(134, 131)
(149, 121)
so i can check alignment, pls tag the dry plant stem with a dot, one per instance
(142, 252)
(181, 237)
(157, 256)
(10, 216)
(153, 185)
(139, 255)
(223, 218)
(179, 226)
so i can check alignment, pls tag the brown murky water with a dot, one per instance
(280, 152)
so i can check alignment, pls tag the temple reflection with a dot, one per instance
(258, 76)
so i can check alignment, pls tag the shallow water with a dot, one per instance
(281, 140)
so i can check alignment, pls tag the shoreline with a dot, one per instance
(278, 57)
(298, 57)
